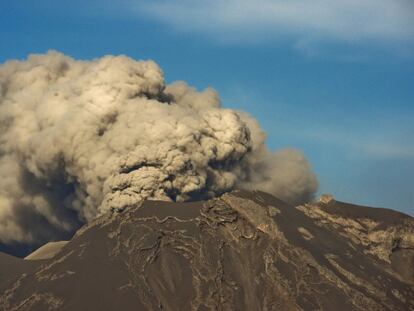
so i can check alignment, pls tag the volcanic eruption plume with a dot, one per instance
(80, 137)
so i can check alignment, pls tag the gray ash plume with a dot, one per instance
(80, 137)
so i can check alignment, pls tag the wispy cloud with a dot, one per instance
(244, 20)
(357, 143)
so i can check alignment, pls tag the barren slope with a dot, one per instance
(243, 251)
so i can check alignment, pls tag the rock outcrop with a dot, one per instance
(242, 251)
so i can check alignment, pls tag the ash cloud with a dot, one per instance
(80, 137)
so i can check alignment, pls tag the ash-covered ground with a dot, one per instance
(241, 251)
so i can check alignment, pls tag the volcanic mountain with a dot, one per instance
(240, 251)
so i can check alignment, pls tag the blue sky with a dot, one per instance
(334, 79)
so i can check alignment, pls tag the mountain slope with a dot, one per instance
(10, 267)
(242, 251)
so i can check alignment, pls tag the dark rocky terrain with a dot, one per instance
(243, 251)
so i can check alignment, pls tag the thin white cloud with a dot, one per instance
(356, 142)
(390, 150)
(241, 20)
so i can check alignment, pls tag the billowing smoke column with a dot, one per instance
(80, 137)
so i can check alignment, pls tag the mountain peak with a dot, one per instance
(241, 251)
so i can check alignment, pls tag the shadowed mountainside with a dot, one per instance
(242, 251)
(10, 267)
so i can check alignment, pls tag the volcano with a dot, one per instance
(240, 251)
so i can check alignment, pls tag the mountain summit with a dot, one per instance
(241, 251)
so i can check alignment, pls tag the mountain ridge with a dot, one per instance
(241, 251)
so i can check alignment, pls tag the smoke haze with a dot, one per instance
(80, 137)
